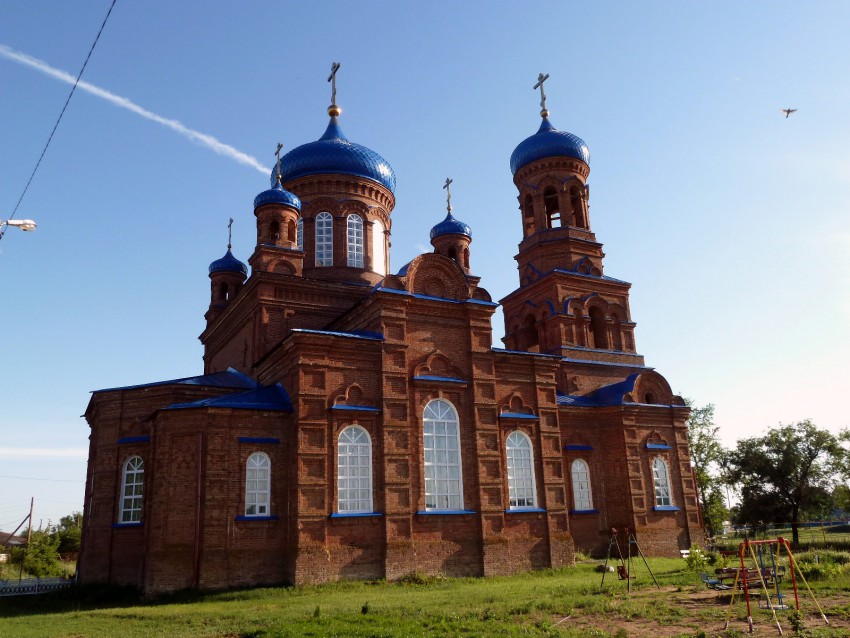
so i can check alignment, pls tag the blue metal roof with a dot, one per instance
(277, 194)
(606, 395)
(272, 397)
(548, 142)
(231, 378)
(228, 263)
(451, 226)
(332, 154)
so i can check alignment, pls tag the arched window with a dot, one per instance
(577, 205)
(224, 291)
(355, 241)
(274, 231)
(324, 239)
(528, 215)
(379, 254)
(521, 486)
(132, 490)
(552, 208)
(582, 498)
(443, 482)
(598, 328)
(290, 230)
(258, 479)
(354, 471)
(452, 253)
(466, 258)
(661, 479)
(529, 330)
(299, 234)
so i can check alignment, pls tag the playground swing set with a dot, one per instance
(766, 572)
(624, 564)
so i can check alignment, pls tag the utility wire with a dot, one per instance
(59, 119)
(32, 478)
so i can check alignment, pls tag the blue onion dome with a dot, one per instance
(277, 195)
(334, 154)
(451, 226)
(228, 263)
(548, 142)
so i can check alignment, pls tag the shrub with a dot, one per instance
(697, 559)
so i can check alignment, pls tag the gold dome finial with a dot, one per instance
(333, 109)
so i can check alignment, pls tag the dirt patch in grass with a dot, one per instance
(670, 612)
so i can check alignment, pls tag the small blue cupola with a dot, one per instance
(277, 195)
(548, 142)
(228, 263)
(451, 226)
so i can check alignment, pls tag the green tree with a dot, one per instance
(706, 455)
(41, 557)
(69, 531)
(785, 474)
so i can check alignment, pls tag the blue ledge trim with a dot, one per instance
(133, 439)
(584, 511)
(528, 354)
(444, 512)
(117, 525)
(636, 366)
(579, 448)
(525, 510)
(371, 336)
(481, 302)
(242, 517)
(666, 508)
(657, 446)
(355, 408)
(257, 439)
(354, 514)
(427, 377)
(517, 415)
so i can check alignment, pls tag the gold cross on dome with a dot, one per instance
(540, 80)
(448, 194)
(332, 80)
(277, 166)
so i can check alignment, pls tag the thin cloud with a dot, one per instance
(203, 139)
(43, 452)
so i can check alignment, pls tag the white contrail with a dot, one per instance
(200, 138)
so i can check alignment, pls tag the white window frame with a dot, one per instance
(522, 487)
(324, 239)
(299, 234)
(354, 471)
(582, 491)
(132, 490)
(661, 482)
(442, 458)
(258, 481)
(354, 226)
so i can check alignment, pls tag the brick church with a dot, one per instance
(355, 422)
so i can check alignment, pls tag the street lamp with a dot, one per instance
(24, 224)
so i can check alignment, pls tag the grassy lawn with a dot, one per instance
(565, 602)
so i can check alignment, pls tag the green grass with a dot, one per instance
(522, 605)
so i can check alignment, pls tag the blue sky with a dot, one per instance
(730, 220)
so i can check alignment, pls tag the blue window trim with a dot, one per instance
(355, 408)
(258, 439)
(242, 517)
(584, 511)
(518, 415)
(133, 524)
(525, 510)
(133, 439)
(445, 512)
(579, 448)
(657, 446)
(354, 514)
(666, 508)
(427, 377)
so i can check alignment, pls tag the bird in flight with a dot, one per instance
(788, 112)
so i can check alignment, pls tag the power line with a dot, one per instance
(32, 478)
(59, 119)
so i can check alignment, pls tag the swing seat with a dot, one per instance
(623, 573)
(777, 601)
